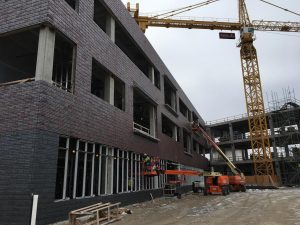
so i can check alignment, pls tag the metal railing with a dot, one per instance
(17, 82)
(141, 128)
(280, 156)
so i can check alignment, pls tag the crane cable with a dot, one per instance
(184, 9)
(287, 10)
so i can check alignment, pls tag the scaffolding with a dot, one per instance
(285, 117)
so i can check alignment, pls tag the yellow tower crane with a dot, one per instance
(258, 128)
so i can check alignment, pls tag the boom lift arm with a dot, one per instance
(197, 128)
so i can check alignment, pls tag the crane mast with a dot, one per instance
(257, 121)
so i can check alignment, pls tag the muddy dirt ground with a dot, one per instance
(259, 207)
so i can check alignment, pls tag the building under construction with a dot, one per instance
(232, 135)
(84, 96)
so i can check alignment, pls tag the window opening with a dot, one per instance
(18, 55)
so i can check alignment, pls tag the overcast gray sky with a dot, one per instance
(208, 69)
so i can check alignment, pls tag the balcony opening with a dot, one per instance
(157, 78)
(99, 76)
(144, 114)
(100, 13)
(194, 116)
(119, 94)
(186, 141)
(64, 63)
(107, 86)
(126, 43)
(169, 128)
(18, 54)
(196, 146)
(184, 110)
(170, 94)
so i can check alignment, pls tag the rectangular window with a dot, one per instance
(157, 78)
(170, 94)
(186, 141)
(64, 63)
(100, 13)
(61, 166)
(103, 170)
(81, 151)
(97, 172)
(184, 110)
(73, 3)
(86, 169)
(89, 170)
(102, 84)
(169, 128)
(119, 94)
(144, 114)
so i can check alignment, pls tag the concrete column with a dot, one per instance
(151, 74)
(197, 148)
(272, 138)
(232, 144)
(273, 141)
(111, 27)
(45, 55)
(110, 171)
(175, 133)
(245, 154)
(287, 151)
(109, 94)
(156, 182)
(152, 121)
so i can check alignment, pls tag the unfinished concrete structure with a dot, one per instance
(232, 135)
(83, 97)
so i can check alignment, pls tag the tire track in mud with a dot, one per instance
(266, 207)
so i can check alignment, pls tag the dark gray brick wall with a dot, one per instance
(16, 154)
(33, 115)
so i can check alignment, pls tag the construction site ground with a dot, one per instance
(259, 207)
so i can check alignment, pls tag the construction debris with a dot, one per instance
(95, 214)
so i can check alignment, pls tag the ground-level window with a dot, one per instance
(86, 169)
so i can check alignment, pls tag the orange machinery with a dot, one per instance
(215, 182)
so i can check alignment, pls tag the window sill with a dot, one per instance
(189, 154)
(171, 110)
(145, 135)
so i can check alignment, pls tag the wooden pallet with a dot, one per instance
(100, 214)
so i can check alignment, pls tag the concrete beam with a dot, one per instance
(45, 55)
(232, 145)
